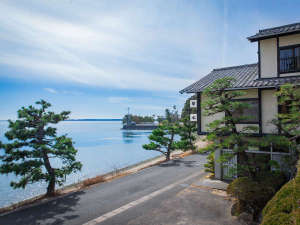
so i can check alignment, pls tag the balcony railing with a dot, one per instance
(290, 64)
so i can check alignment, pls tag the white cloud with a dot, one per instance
(118, 100)
(127, 47)
(51, 90)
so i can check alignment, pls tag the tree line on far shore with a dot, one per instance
(170, 115)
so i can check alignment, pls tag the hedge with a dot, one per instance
(253, 195)
(284, 207)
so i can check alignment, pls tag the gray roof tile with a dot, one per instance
(276, 31)
(246, 77)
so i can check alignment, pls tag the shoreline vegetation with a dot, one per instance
(115, 174)
(94, 120)
(87, 120)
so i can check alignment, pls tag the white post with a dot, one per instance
(218, 168)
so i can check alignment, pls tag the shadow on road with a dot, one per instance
(179, 162)
(57, 211)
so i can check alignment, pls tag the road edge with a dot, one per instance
(90, 182)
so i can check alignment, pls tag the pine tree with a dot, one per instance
(162, 139)
(187, 133)
(172, 115)
(187, 110)
(288, 121)
(223, 132)
(34, 144)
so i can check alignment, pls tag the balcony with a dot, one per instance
(290, 64)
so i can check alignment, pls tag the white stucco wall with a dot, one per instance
(268, 58)
(268, 54)
(205, 120)
(269, 109)
(293, 39)
(241, 126)
(286, 41)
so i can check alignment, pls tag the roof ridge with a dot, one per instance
(233, 67)
(272, 28)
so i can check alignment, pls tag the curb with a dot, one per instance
(41, 199)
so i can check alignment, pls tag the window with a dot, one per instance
(251, 113)
(284, 108)
(289, 59)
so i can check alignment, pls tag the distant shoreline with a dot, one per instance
(94, 120)
(87, 120)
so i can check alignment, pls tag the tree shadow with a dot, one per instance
(57, 211)
(179, 162)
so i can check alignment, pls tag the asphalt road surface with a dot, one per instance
(118, 202)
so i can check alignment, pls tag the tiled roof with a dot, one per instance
(246, 77)
(276, 31)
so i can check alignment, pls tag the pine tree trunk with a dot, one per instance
(51, 187)
(168, 155)
(50, 170)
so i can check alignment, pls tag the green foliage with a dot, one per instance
(32, 146)
(210, 165)
(172, 115)
(223, 132)
(187, 131)
(288, 121)
(137, 119)
(284, 207)
(162, 139)
(160, 119)
(252, 195)
(186, 110)
(220, 100)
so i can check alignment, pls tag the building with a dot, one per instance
(278, 63)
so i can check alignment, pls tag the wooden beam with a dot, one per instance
(259, 152)
(259, 112)
(278, 60)
(199, 113)
(259, 63)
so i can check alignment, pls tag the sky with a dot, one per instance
(96, 58)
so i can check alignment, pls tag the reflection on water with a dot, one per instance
(129, 136)
(102, 146)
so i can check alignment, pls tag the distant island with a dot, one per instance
(136, 122)
(94, 120)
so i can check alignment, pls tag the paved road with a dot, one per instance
(120, 200)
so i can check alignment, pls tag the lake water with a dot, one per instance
(102, 147)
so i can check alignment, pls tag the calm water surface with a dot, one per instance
(102, 147)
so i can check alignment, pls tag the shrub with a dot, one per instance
(210, 165)
(284, 207)
(252, 195)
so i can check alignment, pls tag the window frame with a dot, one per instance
(258, 108)
(293, 47)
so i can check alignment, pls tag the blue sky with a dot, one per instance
(96, 58)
